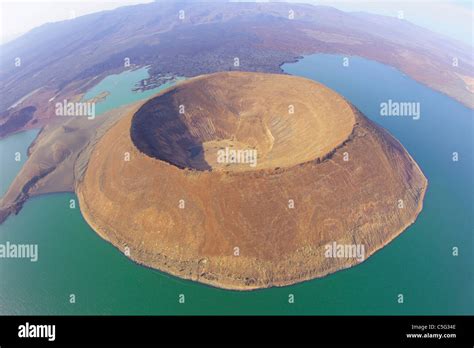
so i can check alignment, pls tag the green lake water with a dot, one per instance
(419, 264)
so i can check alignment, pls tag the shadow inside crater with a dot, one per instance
(160, 131)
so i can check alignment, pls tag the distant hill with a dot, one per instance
(190, 38)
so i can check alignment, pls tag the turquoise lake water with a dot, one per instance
(13, 154)
(419, 264)
(120, 88)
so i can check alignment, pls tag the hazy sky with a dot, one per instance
(450, 17)
(18, 16)
(453, 18)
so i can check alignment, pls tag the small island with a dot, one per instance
(317, 186)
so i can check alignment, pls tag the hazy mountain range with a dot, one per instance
(64, 59)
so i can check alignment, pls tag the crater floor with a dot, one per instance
(245, 111)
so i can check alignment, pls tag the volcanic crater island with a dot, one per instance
(154, 183)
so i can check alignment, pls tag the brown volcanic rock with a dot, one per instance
(136, 204)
